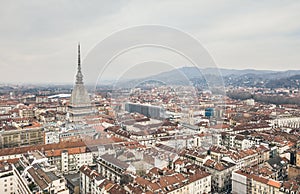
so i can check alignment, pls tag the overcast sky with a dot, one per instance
(38, 39)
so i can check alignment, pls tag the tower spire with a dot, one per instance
(80, 104)
(79, 61)
(79, 76)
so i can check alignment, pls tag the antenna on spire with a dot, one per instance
(79, 60)
(79, 76)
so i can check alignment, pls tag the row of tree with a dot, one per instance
(270, 99)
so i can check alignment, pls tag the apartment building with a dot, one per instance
(16, 137)
(246, 182)
(69, 160)
(10, 179)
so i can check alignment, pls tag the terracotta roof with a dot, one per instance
(44, 147)
(71, 151)
(274, 183)
(260, 179)
(89, 172)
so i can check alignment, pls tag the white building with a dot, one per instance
(71, 159)
(91, 182)
(286, 121)
(243, 183)
(51, 137)
(11, 181)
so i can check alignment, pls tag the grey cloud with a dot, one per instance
(38, 38)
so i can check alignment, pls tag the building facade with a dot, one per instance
(69, 160)
(148, 110)
(21, 137)
(11, 181)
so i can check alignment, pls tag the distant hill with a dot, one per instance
(233, 77)
(285, 82)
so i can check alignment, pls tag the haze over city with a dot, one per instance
(39, 38)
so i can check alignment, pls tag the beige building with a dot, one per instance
(27, 113)
(298, 158)
(21, 137)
